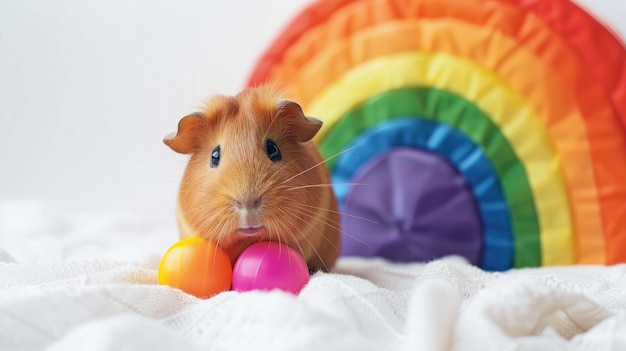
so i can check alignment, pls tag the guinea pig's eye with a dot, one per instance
(273, 152)
(215, 156)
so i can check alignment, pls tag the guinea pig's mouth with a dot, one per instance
(251, 230)
(242, 238)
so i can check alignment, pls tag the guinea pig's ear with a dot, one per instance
(187, 139)
(305, 127)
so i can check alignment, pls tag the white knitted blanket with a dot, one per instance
(93, 286)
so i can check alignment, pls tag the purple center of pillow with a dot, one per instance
(410, 205)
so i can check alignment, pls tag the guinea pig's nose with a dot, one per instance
(248, 203)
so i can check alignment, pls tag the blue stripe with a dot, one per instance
(462, 153)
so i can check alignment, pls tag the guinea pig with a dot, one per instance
(256, 175)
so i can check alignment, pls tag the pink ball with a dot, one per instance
(268, 266)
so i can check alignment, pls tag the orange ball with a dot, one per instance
(196, 266)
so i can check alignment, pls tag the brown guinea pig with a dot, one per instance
(255, 175)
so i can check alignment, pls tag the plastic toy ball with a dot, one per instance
(197, 267)
(268, 266)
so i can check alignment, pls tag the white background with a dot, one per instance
(88, 89)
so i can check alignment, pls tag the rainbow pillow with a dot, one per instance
(491, 129)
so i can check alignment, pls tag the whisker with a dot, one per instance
(334, 227)
(313, 213)
(193, 209)
(216, 243)
(268, 179)
(193, 225)
(311, 244)
(321, 186)
(338, 212)
(315, 249)
(205, 222)
(326, 222)
(285, 242)
(282, 224)
(322, 162)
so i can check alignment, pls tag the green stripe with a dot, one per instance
(445, 107)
